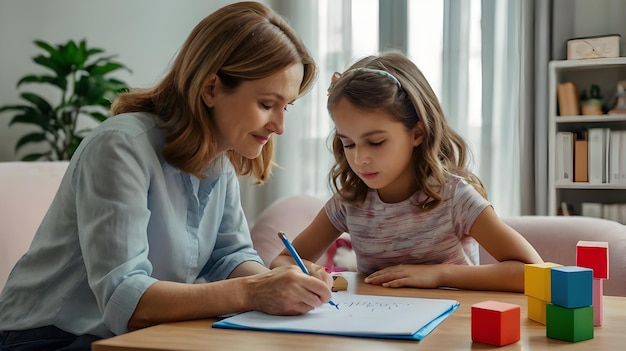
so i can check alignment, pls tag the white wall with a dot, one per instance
(145, 34)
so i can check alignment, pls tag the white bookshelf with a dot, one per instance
(605, 73)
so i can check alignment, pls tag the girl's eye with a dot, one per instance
(377, 143)
(265, 106)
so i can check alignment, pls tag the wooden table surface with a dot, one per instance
(453, 334)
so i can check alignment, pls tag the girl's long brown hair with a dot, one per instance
(442, 151)
(240, 42)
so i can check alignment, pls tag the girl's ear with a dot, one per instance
(418, 134)
(208, 90)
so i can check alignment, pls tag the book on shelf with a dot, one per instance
(611, 211)
(591, 209)
(581, 160)
(569, 104)
(615, 212)
(617, 157)
(598, 155)
(564, 157)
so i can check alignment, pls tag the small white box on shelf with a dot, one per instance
(600, 46)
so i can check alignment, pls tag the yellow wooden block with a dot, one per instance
(537, 310)
(339, 283)
(537, 280)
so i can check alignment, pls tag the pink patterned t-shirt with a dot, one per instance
(386, 235)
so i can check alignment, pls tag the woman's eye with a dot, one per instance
(379, 143)
(265, 106)
(348, 146)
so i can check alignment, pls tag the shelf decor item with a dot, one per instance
(80, 77)
(601, 46)
(591, 104)
(620, 96)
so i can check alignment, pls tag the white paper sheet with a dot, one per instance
(365, 315)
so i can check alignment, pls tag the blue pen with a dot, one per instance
(296, 257)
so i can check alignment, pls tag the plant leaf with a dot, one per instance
(42, 44)
(37, 156)
(69, 55)
(30, 116)
(101, 70)
(57, 81)
(15, 108)
(57, 65)
(38, 101)
(30, 138)
(95, 51)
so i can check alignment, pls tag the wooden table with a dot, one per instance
(453, 334)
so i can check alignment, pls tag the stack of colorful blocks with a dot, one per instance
(564, 298)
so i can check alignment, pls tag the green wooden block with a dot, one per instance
(569, 324)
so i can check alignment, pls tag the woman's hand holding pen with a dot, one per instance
(320, 273)
(286, 291)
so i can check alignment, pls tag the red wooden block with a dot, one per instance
(495, 323)
(594, 255)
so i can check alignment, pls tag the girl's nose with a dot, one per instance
(361, 157)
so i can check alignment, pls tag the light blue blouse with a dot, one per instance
(122, 219)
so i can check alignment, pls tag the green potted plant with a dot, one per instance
(592, 104)
(82, 74)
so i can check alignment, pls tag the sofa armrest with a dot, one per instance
(26, 191)
(290, 215)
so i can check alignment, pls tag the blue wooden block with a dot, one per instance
(571, 286)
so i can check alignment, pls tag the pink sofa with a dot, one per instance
(554, 238)
(26, 191)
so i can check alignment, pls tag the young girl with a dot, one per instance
(415, 213)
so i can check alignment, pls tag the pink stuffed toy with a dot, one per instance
(340, 256)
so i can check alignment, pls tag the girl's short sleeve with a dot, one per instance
(467, 204)
(336, 212)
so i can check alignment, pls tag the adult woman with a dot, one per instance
(150, 202)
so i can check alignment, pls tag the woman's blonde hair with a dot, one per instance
(240, 42)
(391, 82)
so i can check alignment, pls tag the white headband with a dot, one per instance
(377, 71)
